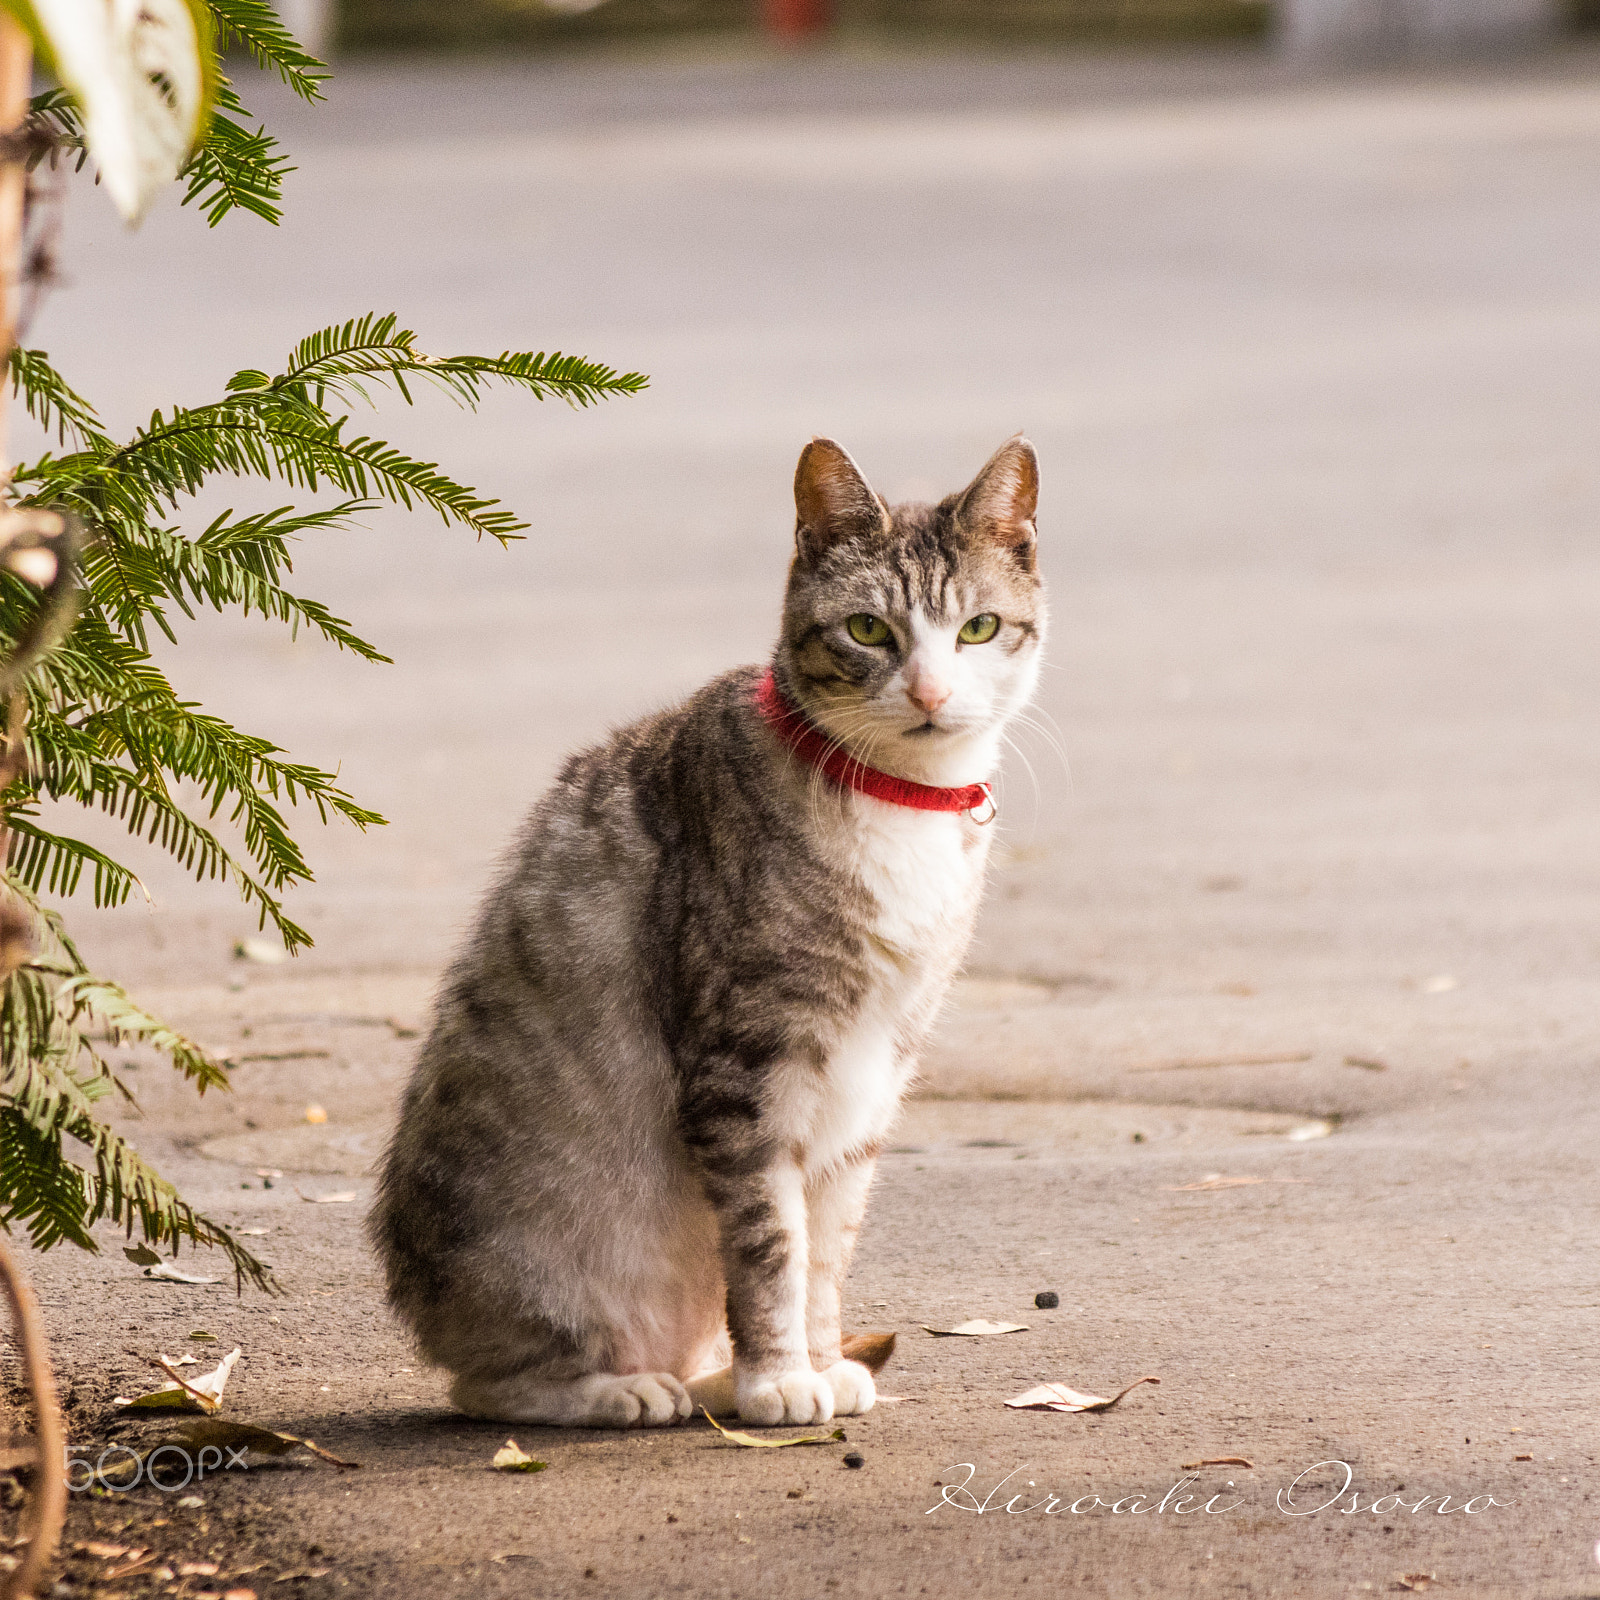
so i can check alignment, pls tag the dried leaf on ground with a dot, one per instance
(342, 1198)
(1216, 1180)
(1275, 1058)
(1417, 1582)
(1058, 1397)
(1219, 1461)
(165, 1272)
(220, 1431)
(202, 1392)
(733, 1436)
(141, 1255)
(976, 1329)
(203, 1335)
(511, 1457)
(251, 1233)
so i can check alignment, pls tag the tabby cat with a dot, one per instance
(635, 1152)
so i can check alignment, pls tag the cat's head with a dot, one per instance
(912, 633)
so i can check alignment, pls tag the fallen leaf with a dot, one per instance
(262, 951)
(1417, 1581)
(734, 1437)
(1522, 1458)
(1219, 1461)
(200, 1393)
(304, 1572)
(165, 1272)
(1370, 1063)
(200, 1333)
(221, 1431)
(316, 1114)
(269, 1172)
(510, 1457)
(976, 1329)
(180, 1361)
(1276, 1058)
(1058, 1397)
(1309, 1130)
(251, 1233)
(1215, 1180)
(138, 1560)
(199, 1569)
(344, 1197)
(104, 1552)
(141, 1255)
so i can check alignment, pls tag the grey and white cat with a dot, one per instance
(638, 1141)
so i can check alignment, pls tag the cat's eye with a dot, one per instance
(980, 629)
(868, 629)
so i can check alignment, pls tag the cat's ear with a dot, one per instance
(1000, 503)
(832, 501)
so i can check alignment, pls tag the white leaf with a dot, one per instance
(165, 1272)
(138, 70)
(977, 1329)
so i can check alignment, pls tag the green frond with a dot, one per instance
(50, 400)
(53, 118)
(235, 168)
(54, 864)
(44, 1190)
(256, 28)
(50, 1079)
(343, 358)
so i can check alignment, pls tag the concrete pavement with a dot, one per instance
(1312, 368)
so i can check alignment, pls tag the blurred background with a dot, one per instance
(1308, 340)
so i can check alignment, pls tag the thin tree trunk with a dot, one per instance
(16, 79)
(48, 1490)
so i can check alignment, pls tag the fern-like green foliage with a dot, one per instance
(53, 1014)
(107, 730)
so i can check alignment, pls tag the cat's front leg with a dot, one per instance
(759, 1197)
(836, 1201)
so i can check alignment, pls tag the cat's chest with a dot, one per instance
(923, 873)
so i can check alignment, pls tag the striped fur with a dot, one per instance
(643, 1126)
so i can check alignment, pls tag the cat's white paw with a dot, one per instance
(637, 1400)
(853, 1388)
(799, 1396)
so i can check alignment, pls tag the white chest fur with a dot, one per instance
(924, 871)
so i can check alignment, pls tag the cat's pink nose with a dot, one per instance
(927, 694)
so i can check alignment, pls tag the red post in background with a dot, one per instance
(796, 19)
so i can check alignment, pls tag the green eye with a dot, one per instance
(867, 629)
(980, 629)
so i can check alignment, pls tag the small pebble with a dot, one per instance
(1047, 1299)
(855, 1460)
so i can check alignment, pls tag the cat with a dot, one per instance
(635, 1151)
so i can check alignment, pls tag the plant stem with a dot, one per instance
(16, 79)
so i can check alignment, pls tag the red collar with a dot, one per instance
(789, 723)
